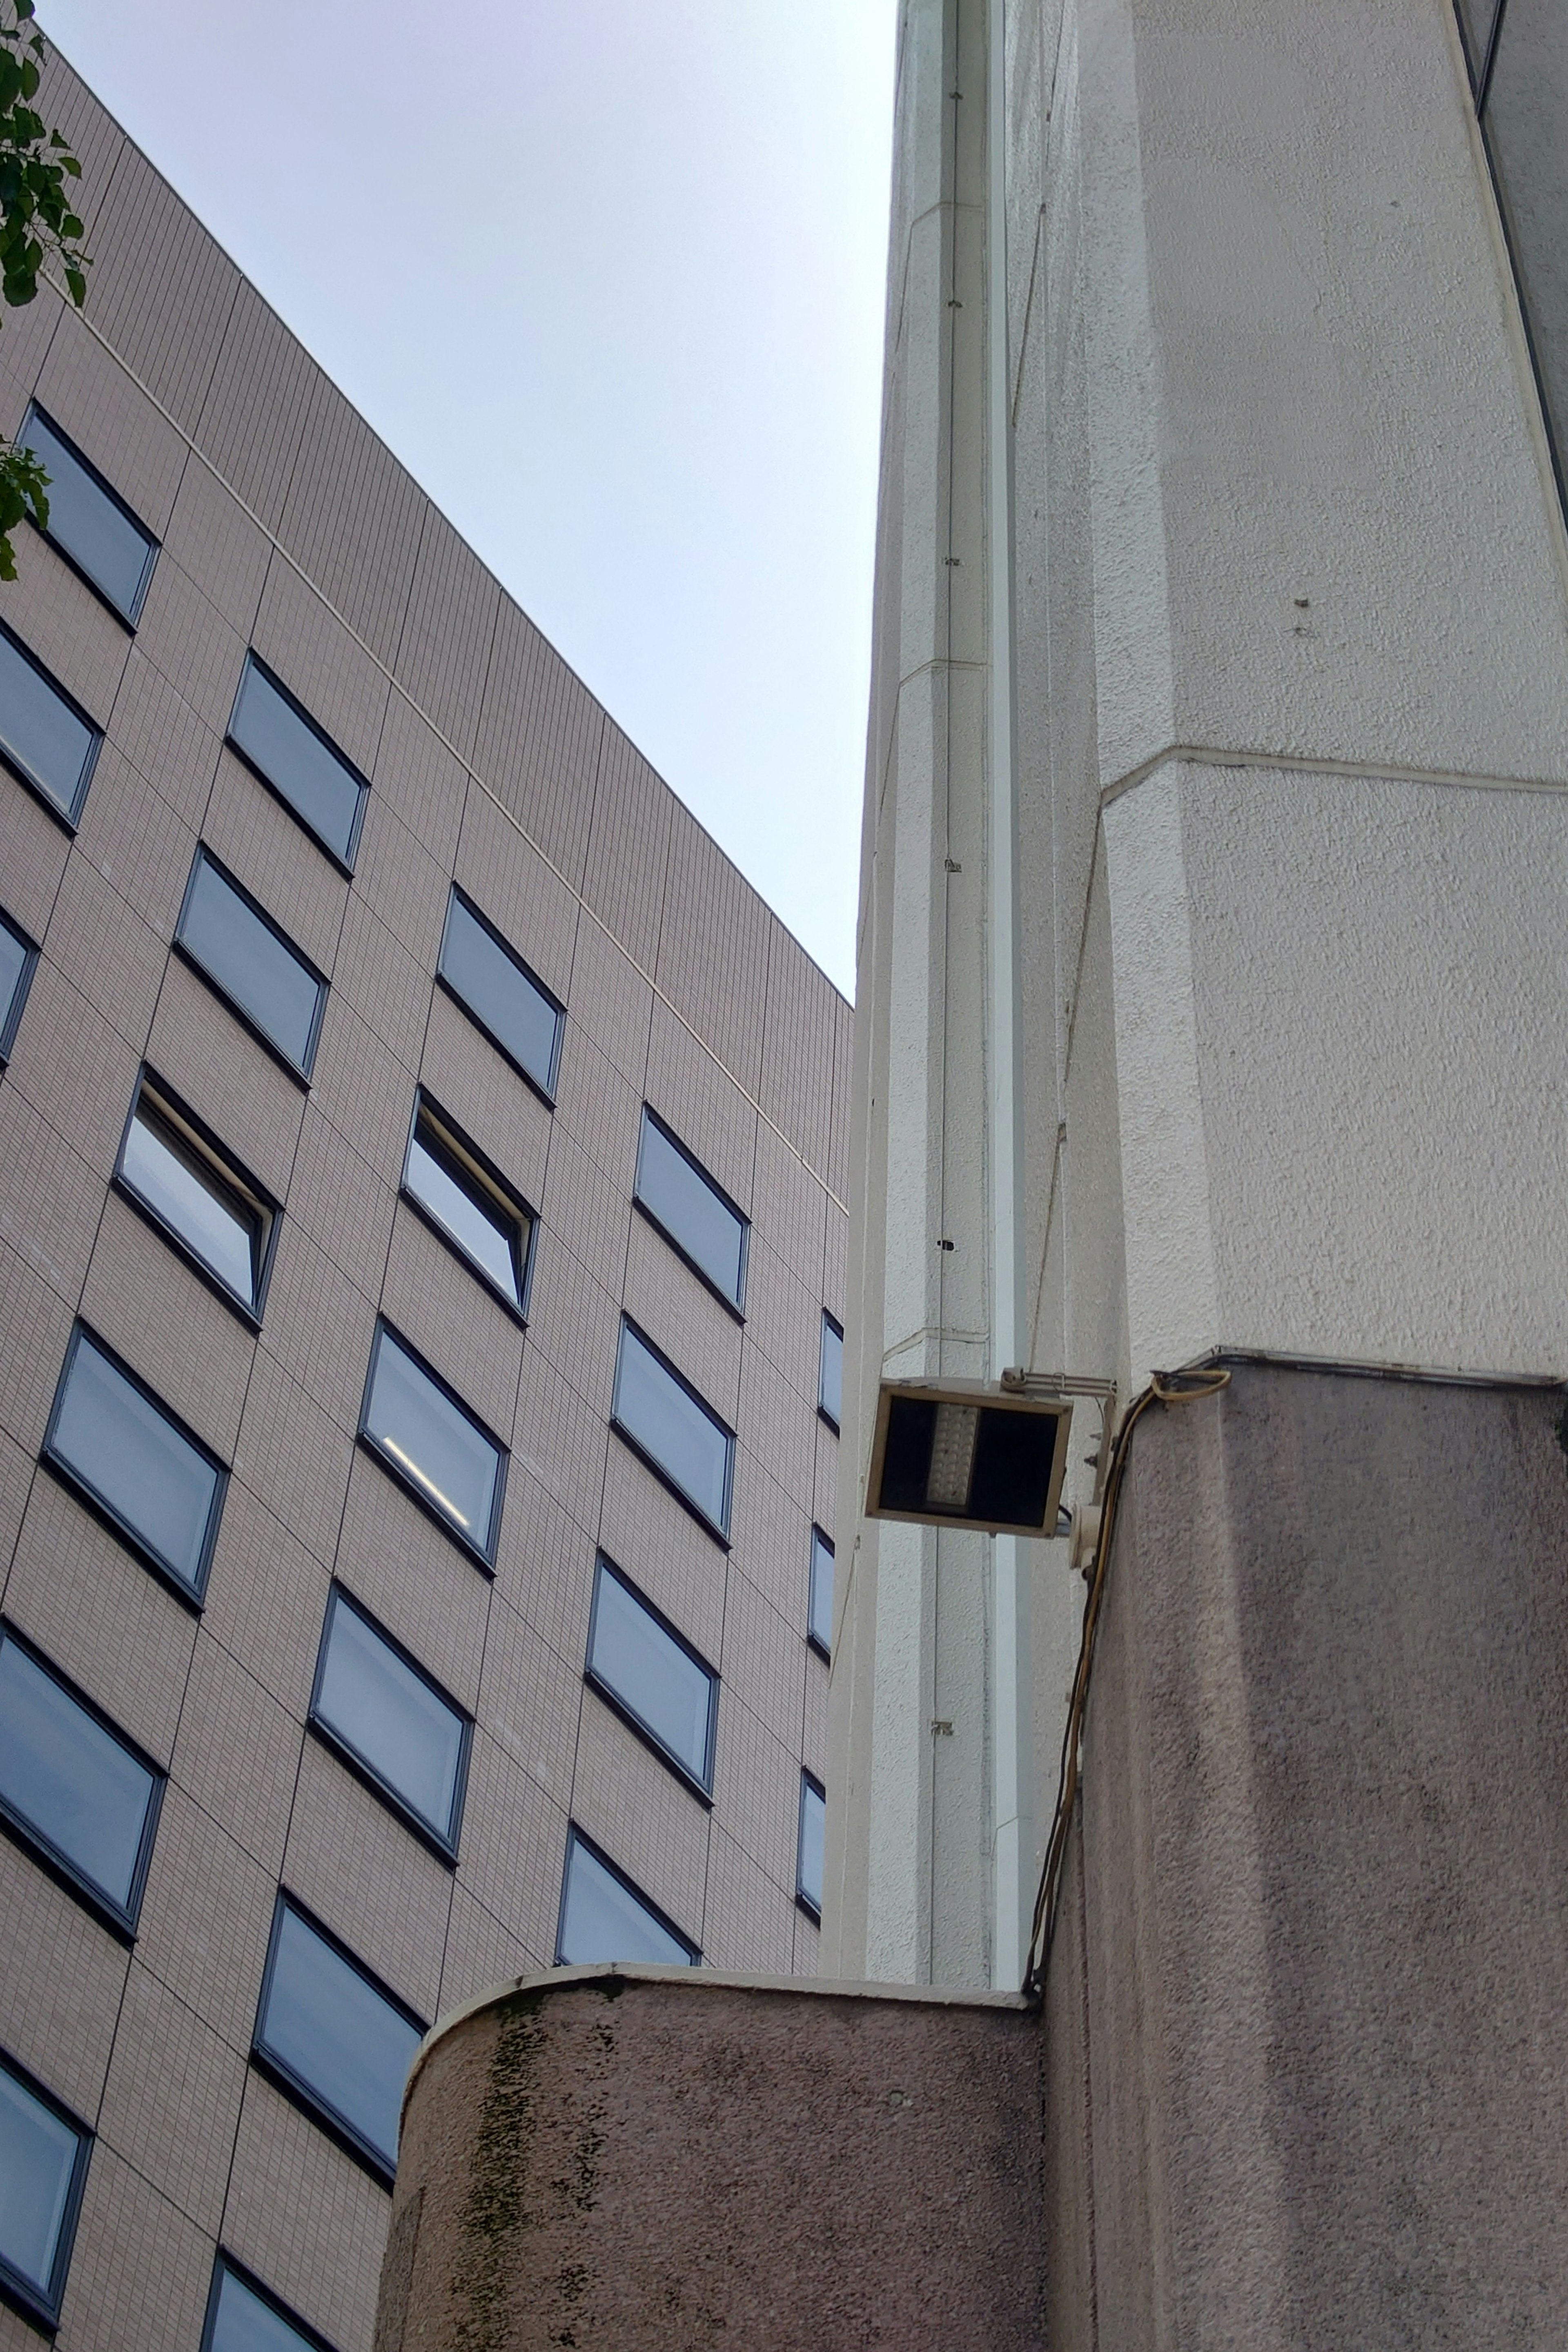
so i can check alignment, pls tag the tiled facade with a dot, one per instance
(286, 527)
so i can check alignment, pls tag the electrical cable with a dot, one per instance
(1164, 1388)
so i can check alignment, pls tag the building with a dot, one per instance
(1208, 1071)
(422, 1167)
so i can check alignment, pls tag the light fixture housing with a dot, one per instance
(968, 1453)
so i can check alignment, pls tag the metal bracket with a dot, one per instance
(1020, 1382)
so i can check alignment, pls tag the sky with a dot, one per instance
(608, 276)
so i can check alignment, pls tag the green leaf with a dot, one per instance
(77, 285)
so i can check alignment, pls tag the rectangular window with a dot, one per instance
(604, 1918)
(43, 2163)
(808, 1862)
(390, 1721)
(91, 524)
(443, 1455)
(276, 992)
(469, 1203)
(700, 1222)
(639, 1663)
(673, 1429)
(156, 1484)
(197, 1194)
(243, 2316)
(335, 2037)
(18, 960)
(819, 1607)
(512, 1005)
(299, 762)
(80, 1794)
(830, 1376)
(45, 740)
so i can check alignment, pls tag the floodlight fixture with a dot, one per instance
(968, 1453)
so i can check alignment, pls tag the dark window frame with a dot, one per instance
(299, 1071)
(121, 1922)
(11, 1021)
(577, 1837)
(718, 1530)
(281, 2075)
(829, 1323)
(485, 1556)
(809, 1784)
(68, 819)
(734, 1307)
(823, 1648)
(128, 620)
(701, 1786)
(344, 861)
(545, 1089)
(445, 1848)
(194, 1595)
(44, 2310)
(223, 2261)
(231, 1171)
(457, 1142)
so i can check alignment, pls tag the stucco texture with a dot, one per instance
(1306, 2074)
(655, 2162)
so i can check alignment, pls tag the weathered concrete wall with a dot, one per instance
(660, 2160)
(1306, 2067)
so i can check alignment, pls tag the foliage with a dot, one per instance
(36, 222)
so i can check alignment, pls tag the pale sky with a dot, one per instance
(608, 275)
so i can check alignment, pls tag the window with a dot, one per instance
(334, 2037)
(390, 1722)
(198, 1196)
(470, 1204)
(43, 2163)
(296, 761)
(639, 1663)
(808, 1859)
(243, 953)
(92, 527)
(673, 1429)
(82, 1797)
(702, 1222)
(155, 1483)
(513, 1008)
(45, 738)
(830, 1375)
(603, 1916)
(819, 1607)
(433, 1444)
(19, 957)
(242, 2316)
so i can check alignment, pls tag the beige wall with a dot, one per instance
(287, 526)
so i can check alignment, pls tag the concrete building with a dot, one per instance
(1208, 1070)
(422, 1174)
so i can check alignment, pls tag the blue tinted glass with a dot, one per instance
(14, 955)
(668, 1422)
(391, 1718)
(692, 1211)
(501, 994)
(38, 2154)
(466, 1210)
(433, 1442)
(650, 1672)
(813, 1822)
(243, 2323)
(138, 1465)
(336, 2035)
(316, 781)
(830, 1396)
(181, 1185)
(250, 963)
(601, 1919)
(819, 1615)
(65, 1777)
(91, 527)
(41, 734)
